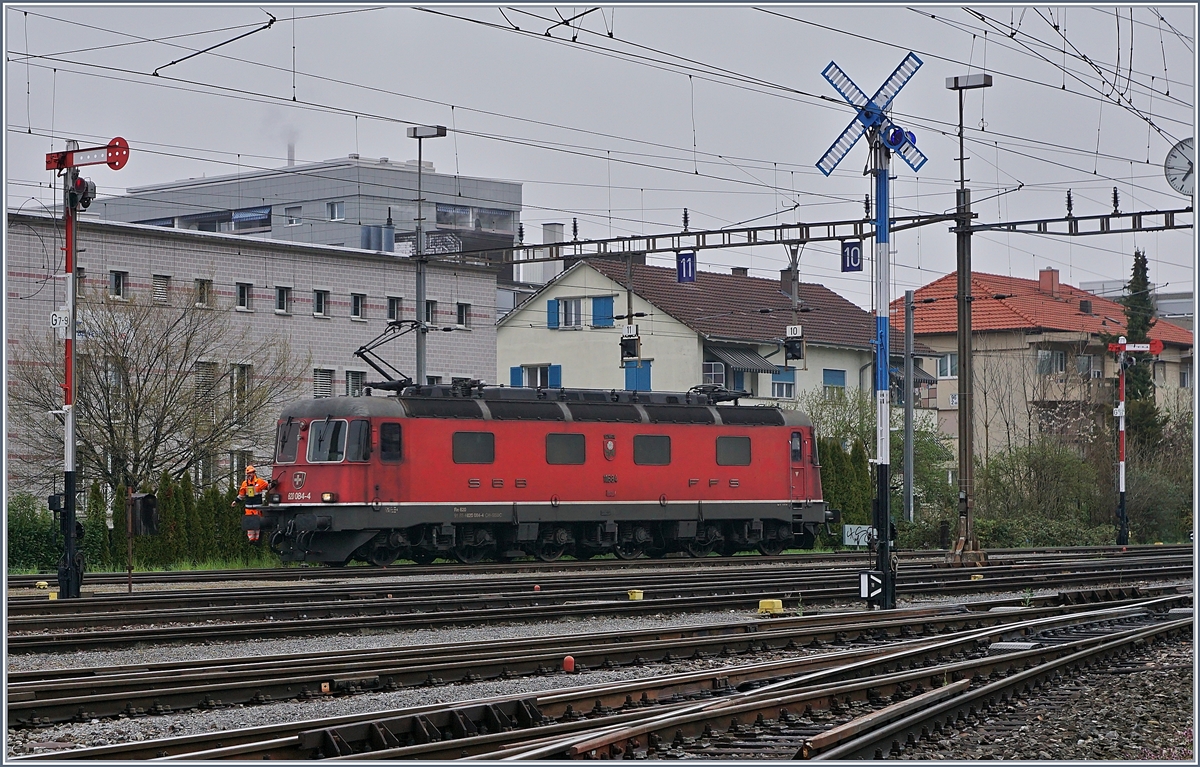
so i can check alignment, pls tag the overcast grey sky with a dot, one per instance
(628, 115)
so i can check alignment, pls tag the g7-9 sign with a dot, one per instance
(851, 255)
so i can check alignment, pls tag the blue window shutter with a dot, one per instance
(644, 376)
(555, 377)
(516, 376)
(739, 380)
(552, 313)
(602, 312)
(630, 376)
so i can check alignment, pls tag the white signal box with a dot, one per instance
(629, 331)
(795, 331)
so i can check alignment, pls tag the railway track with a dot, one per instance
(82, 694)
(45, 625)
(863, 699)
(317, 573)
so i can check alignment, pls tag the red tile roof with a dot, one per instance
(1025, 307)
(726, 306)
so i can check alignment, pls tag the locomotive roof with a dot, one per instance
(518, 403)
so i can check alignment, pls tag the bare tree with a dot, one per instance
(159, 388)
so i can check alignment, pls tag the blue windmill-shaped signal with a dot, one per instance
(871, 114)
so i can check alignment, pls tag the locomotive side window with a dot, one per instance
(287, 437)
(474, 447)
(733, 451)
(651, 450)
(389, 441)
(566, 449)
(326, 441)
(816, 459)
(358, 445)
(797, 451)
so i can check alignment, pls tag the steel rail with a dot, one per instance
(384, 613)
(307, 573)
(283, 741)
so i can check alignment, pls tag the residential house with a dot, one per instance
(722, 329)
(1040, 353)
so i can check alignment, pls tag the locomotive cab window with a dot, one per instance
(651, 450)
(474, 447)
(566, 449)
(287, 437)
(358, 444)
(733, 451)
(389, 442)
(326, 441)
(797, 449)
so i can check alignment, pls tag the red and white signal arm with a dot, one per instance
(1155, 347)
(115, 155)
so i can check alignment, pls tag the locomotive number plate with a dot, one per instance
(299, 496)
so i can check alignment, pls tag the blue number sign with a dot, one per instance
(685, 266)
(852, 256)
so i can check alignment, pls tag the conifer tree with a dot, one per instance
(95, 532)
(1145, 424)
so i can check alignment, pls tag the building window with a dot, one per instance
(354, 383)
(1083, 365)
(1185, 375)
(239, 392)
(834, 383)
(783, 383)
(245, 294)
(714, 373)
(566, 449)
(322, 383)
(162, 288)
(431, 312)
(571, 312)
(1050, 361)
(321, 303)
(474, 447)
(118, 284)
(336, 210)
(948, 366)
(394, 307)
(432, 380)
(283, 300)
(292, 215)
(651, 450)
(464, 315)
(204, 292)
(358, 306)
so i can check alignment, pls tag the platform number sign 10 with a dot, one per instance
(852, 255)
(685, 266)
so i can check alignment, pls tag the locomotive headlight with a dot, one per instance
(328, 497)
(276, 497)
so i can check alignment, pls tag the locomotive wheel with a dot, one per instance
(470, 555)
(422, 557)
(772, 547)
(713, 540)
(382, 556)
(806, 540)
(549, 551)
(628, 550)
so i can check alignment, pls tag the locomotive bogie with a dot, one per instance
(510, 473)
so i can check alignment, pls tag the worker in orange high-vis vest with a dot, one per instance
(251, 493)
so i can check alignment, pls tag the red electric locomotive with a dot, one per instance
(496, 473)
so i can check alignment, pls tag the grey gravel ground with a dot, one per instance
(103, 732)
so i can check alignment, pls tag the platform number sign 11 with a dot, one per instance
(685, 266)
(852, 256)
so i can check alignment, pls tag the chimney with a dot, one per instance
(785, 282)
(1048, 281)
(291, 154)
(741, 271)
(552, 233)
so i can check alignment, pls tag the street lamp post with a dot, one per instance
(420, 133)
(966, 549)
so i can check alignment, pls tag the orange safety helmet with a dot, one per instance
(250, 470)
